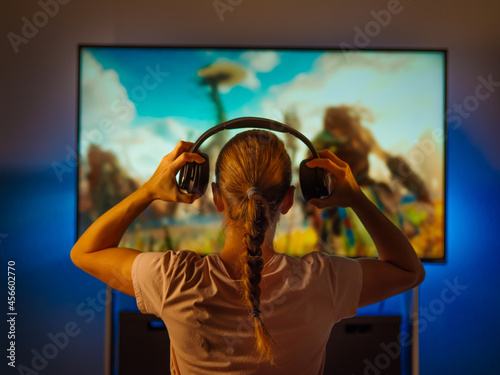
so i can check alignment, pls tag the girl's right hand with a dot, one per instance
(162, 185)
(346, 192)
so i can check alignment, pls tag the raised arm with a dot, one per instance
(397, 268)
(97, 251)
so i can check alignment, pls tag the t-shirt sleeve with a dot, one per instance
(150, 277)
(346, 280)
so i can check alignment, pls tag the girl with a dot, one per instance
(248, 310)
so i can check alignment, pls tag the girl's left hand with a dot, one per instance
(162, 185)
(346, 192)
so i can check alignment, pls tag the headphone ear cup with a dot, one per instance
(193, 177)
(313, 181)
(203, 175)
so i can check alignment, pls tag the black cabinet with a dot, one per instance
(364, 345)
(143, 345)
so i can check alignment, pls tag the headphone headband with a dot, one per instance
(194, 177)
(254, 122)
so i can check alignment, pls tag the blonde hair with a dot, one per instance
(254, 159)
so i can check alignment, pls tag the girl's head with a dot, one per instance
(255, 160)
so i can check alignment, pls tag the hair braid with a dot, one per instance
(256, 225)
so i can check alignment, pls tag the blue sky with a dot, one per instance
(181, 93)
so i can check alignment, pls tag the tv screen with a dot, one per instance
(381, 111)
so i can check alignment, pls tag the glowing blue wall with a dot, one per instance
(38, 106)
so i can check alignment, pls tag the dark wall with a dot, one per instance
(55, 301)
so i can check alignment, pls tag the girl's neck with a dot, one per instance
(234, 246)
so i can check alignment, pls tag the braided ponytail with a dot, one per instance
(256, 224)
(253, 174)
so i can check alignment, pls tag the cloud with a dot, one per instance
(381, 62)
(102, 97)
(262, 61)
(254, 62)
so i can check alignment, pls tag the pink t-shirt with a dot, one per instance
(210, 328)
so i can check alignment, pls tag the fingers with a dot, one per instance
(184, 158)
(331, 167)
(185, 198)
(320, 203)
(327, 154)
(179, 149)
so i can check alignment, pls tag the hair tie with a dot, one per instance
(252, 191)
(256, 313)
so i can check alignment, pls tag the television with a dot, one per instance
(382, 111)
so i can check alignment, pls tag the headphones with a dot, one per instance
(193, 177)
